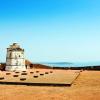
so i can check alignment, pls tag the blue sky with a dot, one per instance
(51, 30)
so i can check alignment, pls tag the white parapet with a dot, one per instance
(15, 68)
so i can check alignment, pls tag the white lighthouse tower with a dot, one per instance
(15, 60)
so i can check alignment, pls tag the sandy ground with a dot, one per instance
(86, 87)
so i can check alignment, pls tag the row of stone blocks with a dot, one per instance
(24, 73)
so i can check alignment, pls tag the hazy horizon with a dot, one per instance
(51, 30)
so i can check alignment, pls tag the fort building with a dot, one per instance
(15, 60)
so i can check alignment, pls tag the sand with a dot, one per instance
(86, 87)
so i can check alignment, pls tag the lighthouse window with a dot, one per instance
(10, 55)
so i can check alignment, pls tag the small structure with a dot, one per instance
(15, 60)
(28, 64)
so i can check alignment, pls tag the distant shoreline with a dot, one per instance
(43, 66)
(79, 68)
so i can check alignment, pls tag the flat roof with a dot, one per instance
(39, 77)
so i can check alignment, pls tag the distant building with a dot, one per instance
(15, 60)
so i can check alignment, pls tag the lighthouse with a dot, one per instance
(15, 60)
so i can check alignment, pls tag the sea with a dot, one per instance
(69, 64)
